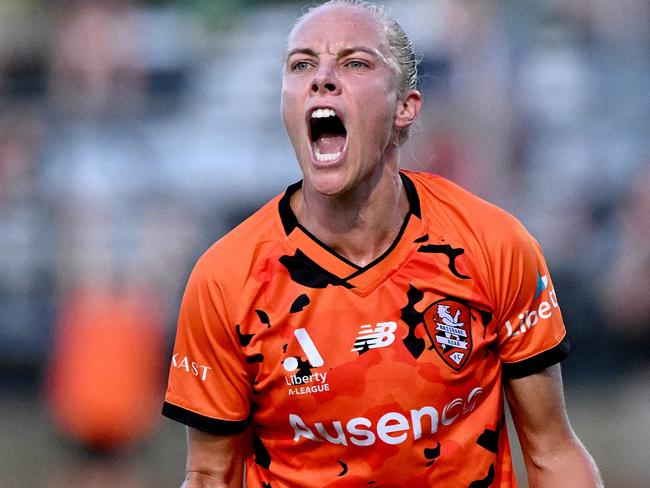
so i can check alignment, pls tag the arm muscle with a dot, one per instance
(215, 461)
(553, 454)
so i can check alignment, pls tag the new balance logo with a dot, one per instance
(382, 335)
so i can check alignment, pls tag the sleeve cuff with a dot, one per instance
(539, 362)
(203, 423)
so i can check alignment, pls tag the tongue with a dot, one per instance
(330, 143)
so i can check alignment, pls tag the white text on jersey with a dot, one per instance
(193, 367)
(391, 428)
(530, 318)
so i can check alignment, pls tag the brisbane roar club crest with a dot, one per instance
(448, 323)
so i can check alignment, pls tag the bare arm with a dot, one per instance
(553, 454)
(215, 461)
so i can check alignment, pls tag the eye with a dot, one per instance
(356, 64)
(300, 66)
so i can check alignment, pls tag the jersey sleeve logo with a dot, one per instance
(540, 311)
(448, 323)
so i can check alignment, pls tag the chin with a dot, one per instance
(329, 182)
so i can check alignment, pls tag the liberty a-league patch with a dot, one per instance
(448, 323)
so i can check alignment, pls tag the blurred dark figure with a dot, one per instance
(97, 58)
(625, 301)
(24, 37)
(467, 126)
(21, 142)
(25, 281)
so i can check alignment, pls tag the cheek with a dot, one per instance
(380, 102)
(291, 114)
(381, 115)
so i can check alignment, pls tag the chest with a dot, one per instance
(331, 355)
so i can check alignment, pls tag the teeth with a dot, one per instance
(320, 113)
(326, 157)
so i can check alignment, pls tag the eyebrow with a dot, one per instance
(309, 52)
(342, 54)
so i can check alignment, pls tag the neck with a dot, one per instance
(360, 224)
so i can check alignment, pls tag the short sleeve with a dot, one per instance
(209, 386)
(531, 333)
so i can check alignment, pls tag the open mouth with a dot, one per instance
(328, 134)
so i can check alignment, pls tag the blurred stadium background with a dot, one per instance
(135, 133)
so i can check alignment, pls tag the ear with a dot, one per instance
(408, 108)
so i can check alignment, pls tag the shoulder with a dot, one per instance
(230, 259)
(448, 203)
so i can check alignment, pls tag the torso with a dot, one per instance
(352, 375)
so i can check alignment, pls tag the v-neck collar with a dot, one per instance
(360, 279)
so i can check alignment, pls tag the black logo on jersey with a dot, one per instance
(484, 482)
(307, 272)
(451, 252)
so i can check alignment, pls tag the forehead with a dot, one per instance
(336, 27)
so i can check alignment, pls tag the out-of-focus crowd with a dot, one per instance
(544, 108)
(133, 134)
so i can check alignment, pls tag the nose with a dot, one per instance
(325, 81)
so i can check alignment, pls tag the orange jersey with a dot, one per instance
(388, 374)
